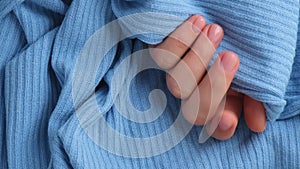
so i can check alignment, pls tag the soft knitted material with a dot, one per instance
(41, 41)
(265, 41)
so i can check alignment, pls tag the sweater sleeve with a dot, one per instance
(262, 33)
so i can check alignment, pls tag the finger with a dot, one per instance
(211, 90)
(178, 42)
(255, 114)
(230, 117)
(184, 77)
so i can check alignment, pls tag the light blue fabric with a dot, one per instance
(41, 40)
(262, 33)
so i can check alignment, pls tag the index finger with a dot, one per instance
(178, 42)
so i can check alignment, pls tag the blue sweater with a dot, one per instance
(47, 86)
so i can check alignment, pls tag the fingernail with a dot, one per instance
(229, 61)
(225, 125)
(215, 33)
(197, 24)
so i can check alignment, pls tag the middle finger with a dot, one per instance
(184, 77)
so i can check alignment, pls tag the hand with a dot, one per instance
(185, 54)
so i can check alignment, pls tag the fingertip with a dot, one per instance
(227, 64)
(230, 116)
(227, 122)
(255, 114)
(227, 126)
(202, 19)
(214, 34)
(230, 61)
(198, 20)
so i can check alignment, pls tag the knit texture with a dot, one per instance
(262, 33)
(42, 40)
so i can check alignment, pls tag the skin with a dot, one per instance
(193, 44)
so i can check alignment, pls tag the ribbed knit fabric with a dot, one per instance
(262, 33)
(41, 41)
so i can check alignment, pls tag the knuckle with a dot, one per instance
(180, 82)
(162, 58)
(173, 86)
(192, 111)
(180, 44)
(194, 118)
(200, 120)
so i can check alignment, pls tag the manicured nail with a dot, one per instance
(215, 33)
(225, 125)
(229, 61)
(197, 24)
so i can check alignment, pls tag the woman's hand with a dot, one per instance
(185, 54)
